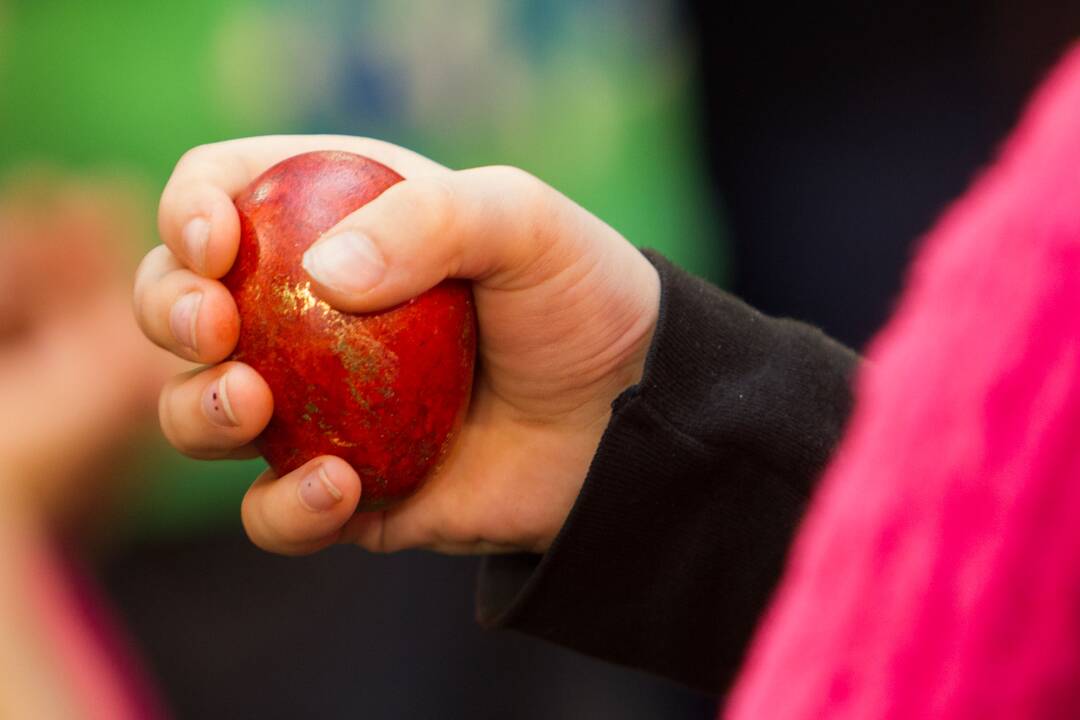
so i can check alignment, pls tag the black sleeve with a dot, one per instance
(679, 534)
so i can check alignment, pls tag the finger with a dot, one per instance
(496, 225)
(185, 313)
(196, 216)
(303, 511)
(402, 528)
(211, 413)
(426, 521)
(438, 516)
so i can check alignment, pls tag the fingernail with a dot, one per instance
(317, 492)
(348, 262)
(182, 319)
(215, 403)
(196, 236)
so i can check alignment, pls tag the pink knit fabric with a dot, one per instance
(938, 573)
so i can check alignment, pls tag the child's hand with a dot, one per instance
(566, 310)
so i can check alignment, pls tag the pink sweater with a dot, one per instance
(938, 572)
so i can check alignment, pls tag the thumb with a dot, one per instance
(487, 224)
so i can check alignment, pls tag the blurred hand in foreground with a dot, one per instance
(76, 378)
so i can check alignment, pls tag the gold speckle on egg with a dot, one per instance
(297, 299)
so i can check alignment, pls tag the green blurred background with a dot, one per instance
(593, 97)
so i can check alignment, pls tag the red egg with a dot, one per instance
(385, 391)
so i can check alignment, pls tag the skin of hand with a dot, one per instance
(78, 382)
(33, 683)
(77, 378)
(566, 310)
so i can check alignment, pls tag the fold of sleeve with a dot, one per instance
(680, 531)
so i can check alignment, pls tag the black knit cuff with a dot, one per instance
(680, 529)
(506, 581)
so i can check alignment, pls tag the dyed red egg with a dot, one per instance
(385, 391)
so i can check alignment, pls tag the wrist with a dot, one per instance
(583, 441)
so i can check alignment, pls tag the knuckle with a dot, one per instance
(538, 217)
(204, 164)
(533, 200)
(435, 198)
(433, 201)
(526, 187)
(192, 158)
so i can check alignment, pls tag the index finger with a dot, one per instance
(196, 216)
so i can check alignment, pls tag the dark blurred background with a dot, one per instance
(794, 154)
(837, 132)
